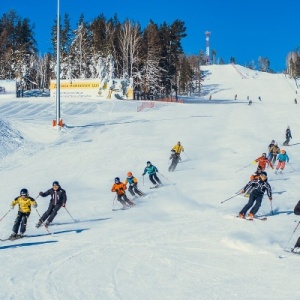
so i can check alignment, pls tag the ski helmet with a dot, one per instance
(283, 151)
(129, 174)
(263, 175)
(55, 183)
(24, 192)
(117, 180)
(148, 162)
(264, 154)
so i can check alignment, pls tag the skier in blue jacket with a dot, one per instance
(152, 170)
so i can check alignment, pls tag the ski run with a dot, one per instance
(178, 241)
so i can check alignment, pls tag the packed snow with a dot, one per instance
(179, 241)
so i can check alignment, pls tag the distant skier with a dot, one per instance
(256, 195)
(274, 151)
(296, 248)
(58, 200)
(119, 187)
(282, 158)
(263, 162)
(25, 202)
(250, 102)
(133, 188)
(152, 170)
(269, 149)
(178, 148)
(288, 136)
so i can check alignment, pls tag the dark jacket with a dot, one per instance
(288, 134)
(259, 187)
(297, 208)
(58, 196)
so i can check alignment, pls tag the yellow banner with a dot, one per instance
(76, 85)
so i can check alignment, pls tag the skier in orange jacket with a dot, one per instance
(119, 187)
(263, 162)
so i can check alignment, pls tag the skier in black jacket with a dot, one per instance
(288, 136)
(296, 248)
(58, 200)
(256, 195)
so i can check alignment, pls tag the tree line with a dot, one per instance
(153, 57)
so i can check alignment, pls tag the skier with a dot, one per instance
(256, 174)
(175, 157)
(25, 202)
(253, 177)
(133, 189)
(274, 151)
(282, 159)
(256, 195)
(296, 248)
(119, 187)
(263, 162)
(178, 148)
(269, 148)
(152, 170)
(58, 200)
(288, 136)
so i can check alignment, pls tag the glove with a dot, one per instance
(243, 192)
(40, 193)
(132, 184)
(116, 190)
(11, 207)
(254, 162)
(64, 205)
(143, 174)
(34, 205)
(270, 198)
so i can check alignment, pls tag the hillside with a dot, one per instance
(178, 242)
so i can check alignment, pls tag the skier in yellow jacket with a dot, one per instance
(25, 202)
(178, 148)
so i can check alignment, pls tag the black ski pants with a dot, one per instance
(134, 190)
(124, 199)
(154, 176)
(21, 219)
(51, 212)
(257, 198)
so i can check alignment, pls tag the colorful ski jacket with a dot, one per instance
(259, 187)
(131, 180)
(119, 188)
(178, 148)
(263, 162)
(24, 203)
(283, 157)
(150, 170)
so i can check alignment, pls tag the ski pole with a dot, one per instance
(70, 215)
(229, 198)
(243, 168)
(271, 207)
(186, 155)
(291, 236)
(291, 166)
(114, 200)
(42, 221)
(4, 215)
(165, 177)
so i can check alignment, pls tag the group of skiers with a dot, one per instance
(58, 199)
(258, 184)
(120, 187)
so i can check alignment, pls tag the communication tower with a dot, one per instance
(207, 35)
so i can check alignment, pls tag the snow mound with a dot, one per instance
(10, 139)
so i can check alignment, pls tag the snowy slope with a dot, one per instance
(179, 242)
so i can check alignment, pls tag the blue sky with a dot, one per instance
(241, 29)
